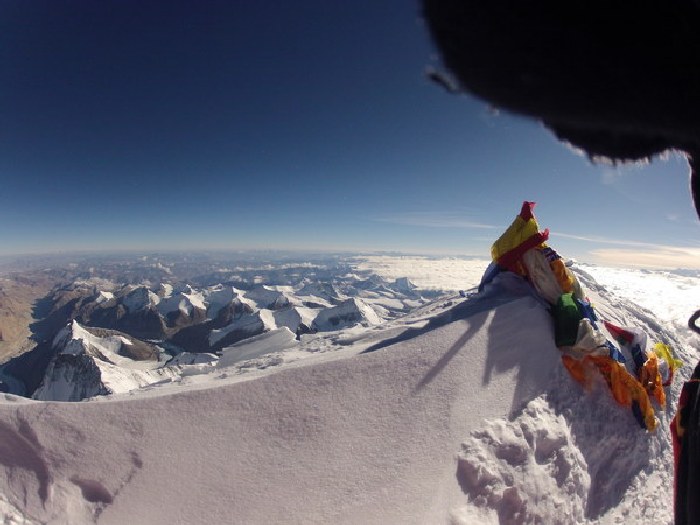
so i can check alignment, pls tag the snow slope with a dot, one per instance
(461, 413)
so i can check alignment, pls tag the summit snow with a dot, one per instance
(461, 413)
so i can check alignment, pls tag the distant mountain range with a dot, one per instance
(97, 336)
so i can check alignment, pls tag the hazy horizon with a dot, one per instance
(280, 255)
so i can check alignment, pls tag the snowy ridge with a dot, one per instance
(461, 414)
(140, 298)
(348, 313)
(217, 297)
(88, 365)
(386, 466)
(181, 302)
(183, 318)
(277, 340)
(74, 339)
(561, 461)
(247, 324)
(103, 297)
(265, 297)
(295, 317)
(202, 316)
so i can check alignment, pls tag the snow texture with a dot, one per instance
(461, 413)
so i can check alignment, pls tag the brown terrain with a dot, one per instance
(19, 297)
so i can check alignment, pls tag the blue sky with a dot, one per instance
(156, 125)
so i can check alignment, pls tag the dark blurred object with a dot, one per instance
(616, 78)
(685, 435)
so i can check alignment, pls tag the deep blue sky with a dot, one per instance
(152, 125)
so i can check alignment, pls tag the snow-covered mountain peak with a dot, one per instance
(459, 411)
(267, 297)
(91, 362)
(323, 290)
(217, 297)
(348, 313)
(243, 326)
(164, 290)
(106, 345)
(103, 297)
(140, 298)
(404, 284)
(276, 339)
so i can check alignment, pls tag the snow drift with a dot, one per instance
(461, 414)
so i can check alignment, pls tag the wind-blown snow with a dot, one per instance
(462, 413)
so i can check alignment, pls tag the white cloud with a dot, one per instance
(636, 253)
(663, 257)
(442, 273)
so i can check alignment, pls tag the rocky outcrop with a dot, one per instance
(71, 378)
(91, 362)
